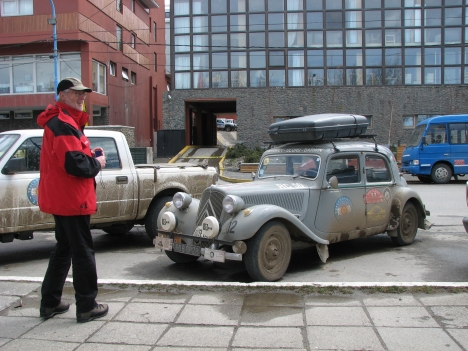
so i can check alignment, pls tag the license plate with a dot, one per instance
(215, 255)
(187, 249)
(163, 243)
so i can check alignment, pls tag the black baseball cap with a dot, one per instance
(73, 84)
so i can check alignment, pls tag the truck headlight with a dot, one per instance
(232, 204)
(416, 162)
(182, 200)
(210, 227)
(168, 221)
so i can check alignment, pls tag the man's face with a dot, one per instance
(74, 98)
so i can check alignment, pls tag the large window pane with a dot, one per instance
(393, 57)
(313, 5)
(275, 21)
(453, 35)
(277, 78)
(200, 43)
(392, 37)
(372, 4)
(200, 24)
(4, 76)
(276, 58)
(219, 79)
(392, 3)
(44, 74)
(453, 56)
(218, 6)
(373, 19)
(238, 60)
(295, 20)
(373, 57)
(219, 60)
(452, 75)
(354, 76)
(433, 17)
(257, 22)
(314, 20)
(334, 38)
(373, 37)
(392, 18)
(257, 78)
(413, 18)
(315, 77)
(218, 24)
(219, 42)
(237, 6)
(413, 57)
(257, 40)
(354, 57)
(335, 77)
(353, 4)
(412, 36)
(239, 79)
(23, 75)
(295, 39)
(201, 61)
(433, 56)
(374, 76)
(182, 43)
(433, 36)
(70, 65)
(354, 38)
(275, 5)
(181, 7)
(182, 62)
(333, 4)
(275, 39)
(432, 75)
(315, 58)
(200, 7)
(334, 20)
(257, 59)
(335, 58)
(201, 80)
(182, 81)
(296, 77)
(353, 19)
(295, 58)
(238, 23)
(256, 6)
(453, 16)
(393, 76)
(238, 41)
(181, 25)
(412, 75)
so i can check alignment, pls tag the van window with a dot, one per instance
(458, 133)
(436, 134)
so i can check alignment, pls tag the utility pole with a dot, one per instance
(53, 22)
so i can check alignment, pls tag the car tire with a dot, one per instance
(178, 257)
(228, 128)
(268, 252)
(151, 218)
(425, 179)
(406, 231)
(120, 229)
(441, 173)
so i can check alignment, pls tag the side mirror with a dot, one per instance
(333, 182)
(14, 165)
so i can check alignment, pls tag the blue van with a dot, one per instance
(437, 149)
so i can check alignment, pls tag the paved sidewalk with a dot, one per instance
(239, 318)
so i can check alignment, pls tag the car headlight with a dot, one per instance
(182, 200)
(232, 204)
(416, 162)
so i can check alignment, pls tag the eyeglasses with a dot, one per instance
(77, 92)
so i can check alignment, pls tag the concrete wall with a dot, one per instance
(387, 105)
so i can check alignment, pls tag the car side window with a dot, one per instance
(345, 168)
(110, 150)
(377, 169)
(26, 158)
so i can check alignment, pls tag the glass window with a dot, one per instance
(433, 56)
(181, 25)
(238, 59)
(412, 36)
(4, 76)
(277, 78)
(453, 2)
(432, 75)
(353, 4)
(353, 19)
(237, 6)
(200, 24)
(257, 78)
(44, 74)
(256, 6)
(118, 34)
(377, 169)
(238, 23)
(354, 76)
(218, 6)
(315, 39)
(413, 3)
(23, 74)
(392, 37)
(315, 77)
(334, 38)
(373, 37)
(392, 3)
(335, 58)
(182, 43)
(200, 7)
(433, 17)
(276, 58)
(334, 20)
(219, 60)
(373, 57)
(296, 77)
(218, 24)
(436, 134)
(219, 79)
(393, 57)
(372, 4)
(433, 3)
(333, 5)
(295, 58)
(201, 80)
(239, 79)
(294, 5)
(373, 19)
(458, 133)
(182, 62)
(181, 7)
(295, 20)
(452, 56)
(238, 41)
(275, 40)
(412, 75)
(257, 22)
(354, 57)
(133, 78)
(295, 39)
(275, 21)
(99, 77)
(257, 59)
(335, 77)
(413, 18)
(201, 61)
(315, 58)
(453, 16)
(219, 42)
(374, 76)
(275, 5)
(453, 35)
(125, 74)
(314, 20)
(393, 76)
(354, 38)
(257, 40)
(17, 7)
(432, 36)
(413, 56)
(313, 5)
(70, 65)
(200, 43)
(182, 81)
(392, 18)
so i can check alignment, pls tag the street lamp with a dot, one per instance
(53, 22)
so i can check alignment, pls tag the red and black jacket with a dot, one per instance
(67, 168)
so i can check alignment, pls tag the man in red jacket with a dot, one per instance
(67, 190)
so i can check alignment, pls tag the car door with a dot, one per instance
(341, 212)
(379, 192)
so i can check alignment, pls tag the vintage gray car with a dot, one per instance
(304, 193)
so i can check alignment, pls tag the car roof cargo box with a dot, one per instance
(318, 127)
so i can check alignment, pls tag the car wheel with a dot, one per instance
(120, 229)
(228, 128)
(268, 252)
(151, 218)
(406, 231)
(178, 257)
(441, 173)
(425, 179)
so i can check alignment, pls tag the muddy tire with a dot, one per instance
(178, 257)
(120, 229)
(268, 252)
(151, 218)
(441, 173)
(406, 231)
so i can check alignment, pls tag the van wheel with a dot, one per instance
(425, 179)
(406, 231)
(441, 173)
(178, 257)
(151, 218)
(268, 252)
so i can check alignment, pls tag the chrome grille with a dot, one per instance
(291, 202)
(211, 204)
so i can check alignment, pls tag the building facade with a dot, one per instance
(114, 46)
(395, 61)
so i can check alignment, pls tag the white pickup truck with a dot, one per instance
(127, 194)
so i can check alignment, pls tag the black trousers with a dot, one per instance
(74, 246)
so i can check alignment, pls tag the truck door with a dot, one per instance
(458, 133)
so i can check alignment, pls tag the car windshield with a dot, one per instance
(416, 136)
(6, 140)
(295, 165)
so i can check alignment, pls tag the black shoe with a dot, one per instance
(100, 310)
(47, 313)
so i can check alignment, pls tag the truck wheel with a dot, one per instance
(406, 231)
(425, 179)
(120, 229)
(228, 128)
(441, 173)
(268, 252)
(151, 218)
(178, 257)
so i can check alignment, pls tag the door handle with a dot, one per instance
(121, 180)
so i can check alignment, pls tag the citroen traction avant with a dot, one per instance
(319, 183)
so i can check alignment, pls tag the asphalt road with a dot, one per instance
(437, 255)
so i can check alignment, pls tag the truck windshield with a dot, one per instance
(290, 165)
(416, 136)
(6, 140)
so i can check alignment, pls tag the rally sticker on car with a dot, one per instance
(33, 191)
(343, 207)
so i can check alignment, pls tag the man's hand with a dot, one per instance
(102, 161)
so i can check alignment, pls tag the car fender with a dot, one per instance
(186, 219)
(243, 226)
(401, 197)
